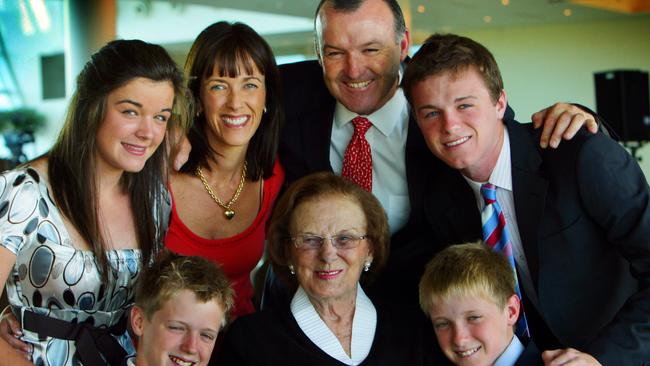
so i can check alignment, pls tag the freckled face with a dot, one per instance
(233, 106)
(329, 273)
(134, 124)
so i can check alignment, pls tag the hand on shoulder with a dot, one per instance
(568, 357)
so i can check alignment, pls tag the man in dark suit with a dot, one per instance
(361, 47)
(578, 217)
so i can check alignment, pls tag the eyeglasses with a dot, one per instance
(339, 241)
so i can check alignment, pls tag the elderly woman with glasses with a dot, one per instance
(325, 236)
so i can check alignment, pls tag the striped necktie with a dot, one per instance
(496, 236)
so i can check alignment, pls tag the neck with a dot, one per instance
(108, 180)
(228, 165)
(336, 310)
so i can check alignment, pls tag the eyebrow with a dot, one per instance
(139, 105)
(459, 99)
(456, 100)
(129, 101)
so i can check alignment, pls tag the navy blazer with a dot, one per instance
(583, 212)
(305, 148)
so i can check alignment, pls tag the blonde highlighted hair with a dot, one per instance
(471, 269)
(172, 273)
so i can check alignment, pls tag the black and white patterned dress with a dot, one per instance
(53, 278)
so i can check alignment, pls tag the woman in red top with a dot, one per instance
(223, 195)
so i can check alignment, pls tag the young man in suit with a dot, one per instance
(575, 220)
(362, 46)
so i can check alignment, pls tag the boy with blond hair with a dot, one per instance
(468, 291)
(181, 303)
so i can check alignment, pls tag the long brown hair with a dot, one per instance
(71, 162)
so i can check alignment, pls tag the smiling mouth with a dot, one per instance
(181, 362)
(467, 353)
(134, 149)
(234, 121)
(358, 84)
(328, 275)
(457, 142)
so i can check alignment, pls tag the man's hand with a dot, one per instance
(182, 153)
(562, 121)
(568, 357)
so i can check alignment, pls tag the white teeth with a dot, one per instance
(180, 362)
(359, 85)
(468, 353)
(457, 142)
(235, 121)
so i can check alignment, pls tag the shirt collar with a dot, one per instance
(364, 324)
(501, 175)
(385, 119)
(511, 353)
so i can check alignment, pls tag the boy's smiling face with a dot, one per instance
(182, 333)
(473, 330)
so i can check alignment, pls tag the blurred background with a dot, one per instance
(548, 51)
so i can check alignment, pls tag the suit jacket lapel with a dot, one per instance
(451, 207)
(316, 132)
(529, 190)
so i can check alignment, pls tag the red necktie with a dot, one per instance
(357, 161)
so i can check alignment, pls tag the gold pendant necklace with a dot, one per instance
(229, 212)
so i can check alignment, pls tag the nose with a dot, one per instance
(190, 342)
(450, 122)
(145, 129)
(353, 68)
(460, 335)
(328, 252)
(234, 99)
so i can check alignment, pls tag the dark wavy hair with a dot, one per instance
(231, 46)
(71, 161)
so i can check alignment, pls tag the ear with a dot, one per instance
(371, 249)
(501, 105)
(137, 320)
(512, 308)
(404, 45)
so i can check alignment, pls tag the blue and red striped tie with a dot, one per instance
(496, 236)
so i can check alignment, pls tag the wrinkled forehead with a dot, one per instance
(327, 209)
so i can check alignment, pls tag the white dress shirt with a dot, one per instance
(364, 324)
(387, 139)
(501, 177)
(511, 353)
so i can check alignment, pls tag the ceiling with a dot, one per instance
(428, 16)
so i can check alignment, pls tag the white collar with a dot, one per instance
(385, 119)
(511, 353)
(501, 175)
(364, 324)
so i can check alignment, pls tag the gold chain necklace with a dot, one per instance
(229, 212)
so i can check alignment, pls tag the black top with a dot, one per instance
(273, 337)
